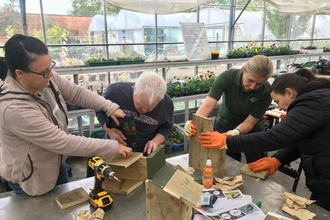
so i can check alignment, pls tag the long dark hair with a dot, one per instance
(19, 51)
(296, 81)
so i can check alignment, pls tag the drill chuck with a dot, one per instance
(109, 173)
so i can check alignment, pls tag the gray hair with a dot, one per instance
(260, 66)
(152, 84)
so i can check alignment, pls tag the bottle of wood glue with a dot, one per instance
(208, 175)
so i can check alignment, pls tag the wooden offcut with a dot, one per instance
(247, 171)
(124, 187)
(164, 206)
(119, 161)
(197, 154)
(72, 198)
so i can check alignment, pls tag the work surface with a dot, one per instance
(133, 206)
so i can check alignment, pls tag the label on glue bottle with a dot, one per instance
(207, 181)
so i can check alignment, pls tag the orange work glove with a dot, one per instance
(190, 129)
(213, 139)
(271, 164)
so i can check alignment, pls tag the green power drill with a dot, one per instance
(127, 124)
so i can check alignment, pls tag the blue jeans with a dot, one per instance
(63, 177)
(250, 157)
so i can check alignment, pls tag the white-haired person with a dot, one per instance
(245, 98)
(151, 107)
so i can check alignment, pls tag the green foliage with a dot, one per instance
(55, 34)
(202, 83)
(137, 58)
(176, 137)
(255, 49)
(91, 8)
(99, 60)
(10, 17)
(113, 59)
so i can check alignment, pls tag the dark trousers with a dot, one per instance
(322, 200)
(250, 157)
(63, 177)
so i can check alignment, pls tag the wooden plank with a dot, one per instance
(136, 171)
(155, 161)
(182, 185)
(197, 154)
(125, 186)
(119, 161)
(72, 198)
(163, 206)
(246, 170)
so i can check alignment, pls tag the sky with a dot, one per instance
(49, 6)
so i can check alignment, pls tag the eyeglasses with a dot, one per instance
(45, 75)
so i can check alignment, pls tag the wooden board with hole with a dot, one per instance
(197, 154)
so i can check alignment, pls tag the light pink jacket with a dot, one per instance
(31, 142)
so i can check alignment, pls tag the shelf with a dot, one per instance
(154, 65)
(189, 98)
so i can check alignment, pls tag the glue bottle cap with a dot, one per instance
(208, 163)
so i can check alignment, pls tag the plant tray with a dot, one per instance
(127, 62)
(176, 147)
(106, 63)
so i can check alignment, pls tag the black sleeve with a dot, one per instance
(287, 155)
(101, 115)
(165, 128)
(303, 119)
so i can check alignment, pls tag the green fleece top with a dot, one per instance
(237, 105)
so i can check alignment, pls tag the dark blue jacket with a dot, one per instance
(304, 133)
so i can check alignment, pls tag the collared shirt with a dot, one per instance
(237, 105)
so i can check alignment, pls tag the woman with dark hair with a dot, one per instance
(34, 123)
(303, 133)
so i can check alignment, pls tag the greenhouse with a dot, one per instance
(165, 110)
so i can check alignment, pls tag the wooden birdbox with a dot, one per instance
(133, 171)
(171, 194)
(197, 154)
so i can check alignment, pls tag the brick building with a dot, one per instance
(76, 25)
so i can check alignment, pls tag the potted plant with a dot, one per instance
(238, 53)
(168, 147)
(130, 60)
(100, 62)
(215, 55)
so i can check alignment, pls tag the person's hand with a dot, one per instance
(118, 113)
(264, 164)
(115, 134)
(233, 132)
(190, 129)
(150, 147)
(125, 151)
(213, 139)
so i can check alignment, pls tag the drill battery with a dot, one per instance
(100, 199)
